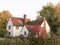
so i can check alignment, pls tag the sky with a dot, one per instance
(20, 7)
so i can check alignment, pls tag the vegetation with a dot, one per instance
(52, 16)
(4, 16)
(31, 40)
(3, 32)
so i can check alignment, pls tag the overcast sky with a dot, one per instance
(20, 7)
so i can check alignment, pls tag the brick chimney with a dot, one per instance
(24, 18)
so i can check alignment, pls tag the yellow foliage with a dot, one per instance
(4, 16)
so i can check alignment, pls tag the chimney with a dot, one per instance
(24, 18)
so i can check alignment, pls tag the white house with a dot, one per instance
(16, 27)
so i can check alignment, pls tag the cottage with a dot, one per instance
(16, 26)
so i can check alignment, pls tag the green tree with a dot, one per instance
(49, 12)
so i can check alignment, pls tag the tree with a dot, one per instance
(49, 12)
(4, 16)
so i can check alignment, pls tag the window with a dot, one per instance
(24, 32)
(9, 33)
(17, 27)
(9, 27)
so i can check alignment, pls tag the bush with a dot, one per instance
(3, 32)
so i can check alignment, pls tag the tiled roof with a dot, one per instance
(18, 21)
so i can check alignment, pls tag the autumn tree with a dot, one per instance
(4, 16)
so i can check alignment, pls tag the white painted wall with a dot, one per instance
(23, 30)
(13, 30)
(7, 27)
(16, 32)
